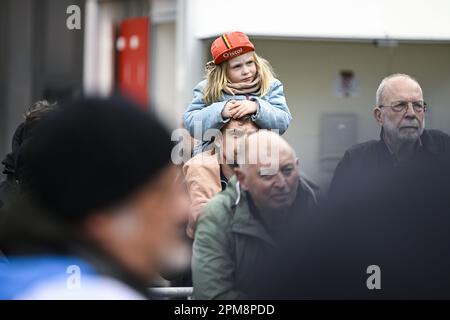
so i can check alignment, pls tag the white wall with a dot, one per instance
(163, 73)
(363, 19)
(309, 70)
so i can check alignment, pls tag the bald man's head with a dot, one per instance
(263, 149)
(270, 171)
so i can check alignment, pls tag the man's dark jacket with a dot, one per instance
(371, 163)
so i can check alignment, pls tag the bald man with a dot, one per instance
(404, 143)
(240, 225)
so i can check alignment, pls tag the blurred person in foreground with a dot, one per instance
(106, 206)
(240, 225)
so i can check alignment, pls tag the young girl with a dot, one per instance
(238, 83)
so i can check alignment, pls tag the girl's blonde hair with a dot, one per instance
(217, 80)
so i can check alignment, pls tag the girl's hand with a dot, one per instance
(242, 108)
(228, 106)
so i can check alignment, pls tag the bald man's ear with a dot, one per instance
(240, 175)
(377, 115)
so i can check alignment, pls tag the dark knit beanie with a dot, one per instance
(92, 154)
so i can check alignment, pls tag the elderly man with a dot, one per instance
(243, 223)
(400, 112)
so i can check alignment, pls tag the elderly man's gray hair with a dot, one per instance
(380, 90)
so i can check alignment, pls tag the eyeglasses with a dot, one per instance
(401, 106)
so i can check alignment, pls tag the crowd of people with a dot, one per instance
(93, 207)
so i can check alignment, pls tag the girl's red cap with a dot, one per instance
(230, 45)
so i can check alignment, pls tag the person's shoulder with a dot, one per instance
(274, 83)
(437, 141)
(438, 135)
(58, 277)
(219, 208)
(203, 158)
(361, 154)
(202, 172)
(205, 162)
(309, 187)
(92, 287)
(363, 147)
(201, 85)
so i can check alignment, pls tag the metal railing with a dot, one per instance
(171, 292)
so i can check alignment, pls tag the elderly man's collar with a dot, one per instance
(417, 145)
(427, 142)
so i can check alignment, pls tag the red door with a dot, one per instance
(133, 59)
